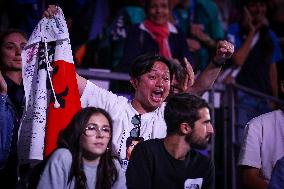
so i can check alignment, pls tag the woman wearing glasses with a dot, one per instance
(151, 77)
(84, 157)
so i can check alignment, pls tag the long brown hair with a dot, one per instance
(70, 138)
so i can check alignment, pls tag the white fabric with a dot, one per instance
(121, 111)
(263, 142)
(32, 128)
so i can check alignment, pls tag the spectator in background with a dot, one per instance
(151, 76)
(155, 35)
(262, 146)
(199, 21)
(173, 162)
(257, 52)
(11, 102)
(129, 15)
(84, 157)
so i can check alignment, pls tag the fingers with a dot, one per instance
(186, 83)
(50, 11)
(190, 73)
(247, 13)
(225, 49)
(3, 85)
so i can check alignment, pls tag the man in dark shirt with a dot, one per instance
(172, 162)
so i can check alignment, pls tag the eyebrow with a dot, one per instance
(94, 124)
(13, 43)
(207, 121)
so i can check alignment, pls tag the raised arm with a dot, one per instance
(82, 82)
(207, 78)
(242, 53)
(48, 13)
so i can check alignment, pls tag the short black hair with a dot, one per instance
(247, 2)
(144, 63)
(130, 139)
(147, 4)
(180, 108)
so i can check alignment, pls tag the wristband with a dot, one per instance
(217, 64)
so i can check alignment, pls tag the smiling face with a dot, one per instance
(158, 11)
(202, 130)
(151, 88)
(95, 143)
(257, 10)
(11, 50)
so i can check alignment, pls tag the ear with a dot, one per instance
(134, 83)
(185, 128)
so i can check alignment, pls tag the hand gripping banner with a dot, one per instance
(51, 91)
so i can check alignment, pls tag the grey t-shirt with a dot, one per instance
(56, 172)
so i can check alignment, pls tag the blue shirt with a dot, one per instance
(277, 178)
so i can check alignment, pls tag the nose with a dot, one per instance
(210, 128)
(99, 134)
(160, 82)
(18, 50)
(158, 10)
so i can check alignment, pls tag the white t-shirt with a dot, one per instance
(152, 123)
(263, 142)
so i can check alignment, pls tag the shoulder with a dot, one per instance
(149, 145)
(274, 37)
(201, 159)
(61, 155)
(96, 96)
(137, 28)
(281, 161)
(265, 118)
(234, 28)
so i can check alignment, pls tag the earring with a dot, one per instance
(107, 149)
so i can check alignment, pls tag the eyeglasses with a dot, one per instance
(94, 130)
(136, 121)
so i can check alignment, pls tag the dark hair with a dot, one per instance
(130, 139)
(264, 35)
(180, 76)
(144, 63)
(70, 138)
(147, 4)
(182, 107)
(247, 2)
(3, 36)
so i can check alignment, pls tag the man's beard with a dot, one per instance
(197, 143)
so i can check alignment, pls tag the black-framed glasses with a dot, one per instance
(136, 121)
(94, 130)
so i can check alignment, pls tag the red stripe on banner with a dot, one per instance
(59, 118)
